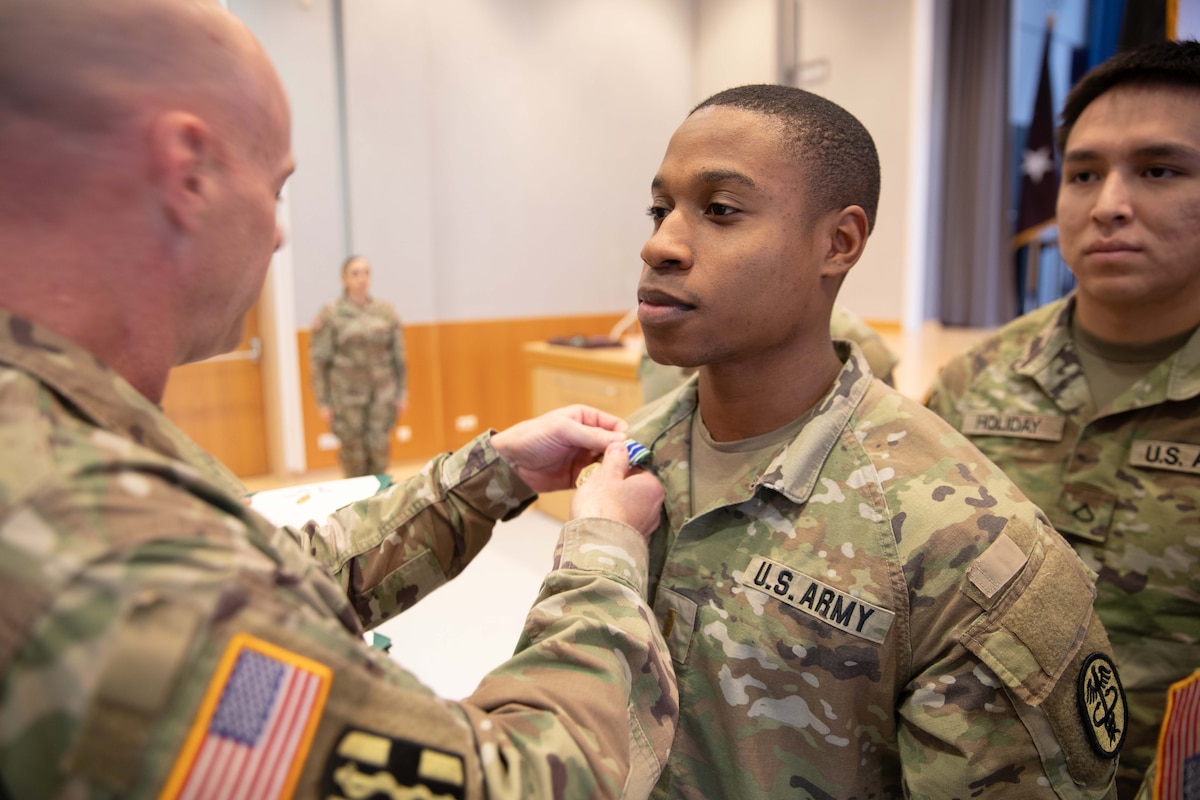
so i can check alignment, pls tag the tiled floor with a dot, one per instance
(456, 635)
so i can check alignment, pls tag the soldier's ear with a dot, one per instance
(182, 167)
(846, 234)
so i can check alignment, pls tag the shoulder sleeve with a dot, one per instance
(1008, 652)
(947, 389)
(322, 345)
(390, 551)
(598, 585)
(181, 655)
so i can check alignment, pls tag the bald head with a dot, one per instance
(87, 66)
(142, 144)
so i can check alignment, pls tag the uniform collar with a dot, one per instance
(100, 396)
(795, 470)
(1052, 360)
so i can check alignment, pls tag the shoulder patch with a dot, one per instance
(1102, 704)
(1179, 743)
(368, 764)
(255, 725)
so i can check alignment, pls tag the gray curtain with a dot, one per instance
(977, 275)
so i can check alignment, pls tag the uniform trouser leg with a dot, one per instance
(349, 425)
(381, 417)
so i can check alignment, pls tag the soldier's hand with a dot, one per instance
(549, 451)
(617, 491)
(325, 413)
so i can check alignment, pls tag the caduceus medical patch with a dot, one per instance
(1102, 704)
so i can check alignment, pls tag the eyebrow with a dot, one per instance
(1147, 151)
(714, 176)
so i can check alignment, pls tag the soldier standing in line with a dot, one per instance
(159, 639)
(1092, 404)
(858, 603)
(359, 370)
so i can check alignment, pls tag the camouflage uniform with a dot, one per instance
(1122, 483)
(877, 614)
(143, 607)
(358, 371)
(658, 379)
(845, 324)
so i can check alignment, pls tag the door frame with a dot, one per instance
(280, 365)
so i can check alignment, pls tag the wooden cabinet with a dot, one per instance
(605, 378)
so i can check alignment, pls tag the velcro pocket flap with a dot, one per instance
(1035, 628)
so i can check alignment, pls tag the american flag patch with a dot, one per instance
(255, 725)
(1179, 743)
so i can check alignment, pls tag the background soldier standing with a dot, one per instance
(359, 370)
(1092, 404)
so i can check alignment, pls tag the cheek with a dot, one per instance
(1185, 223)
(1072, 220)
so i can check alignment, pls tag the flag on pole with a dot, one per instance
(1039, 176)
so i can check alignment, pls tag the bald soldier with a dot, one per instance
(159, 639)
(1092, 403)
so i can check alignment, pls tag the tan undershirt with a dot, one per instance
(718, 465)
(1112, 367)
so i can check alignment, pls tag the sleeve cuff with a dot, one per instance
(477, 472)
(595, 544)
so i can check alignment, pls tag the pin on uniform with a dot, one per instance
(638, 455)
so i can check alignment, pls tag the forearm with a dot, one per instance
(389, 551)
(589, 651)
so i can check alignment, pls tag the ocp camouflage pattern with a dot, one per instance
(1122, 483)
(129, 561)
(359, 370)
(879, 614)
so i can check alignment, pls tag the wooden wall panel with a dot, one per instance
(219, 404)
(457, 370)
(484, 371)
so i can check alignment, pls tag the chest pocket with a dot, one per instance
(1084, 511)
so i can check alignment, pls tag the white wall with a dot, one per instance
(870, 57)
(499, 154)
(299, 37)
(877, 88)
(1187, 19)
(736, 44)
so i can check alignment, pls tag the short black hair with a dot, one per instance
(835, 150)
(1165, 62)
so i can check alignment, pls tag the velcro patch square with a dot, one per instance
(369, 764)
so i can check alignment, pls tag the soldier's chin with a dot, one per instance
(216, 345)
(677, 359)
